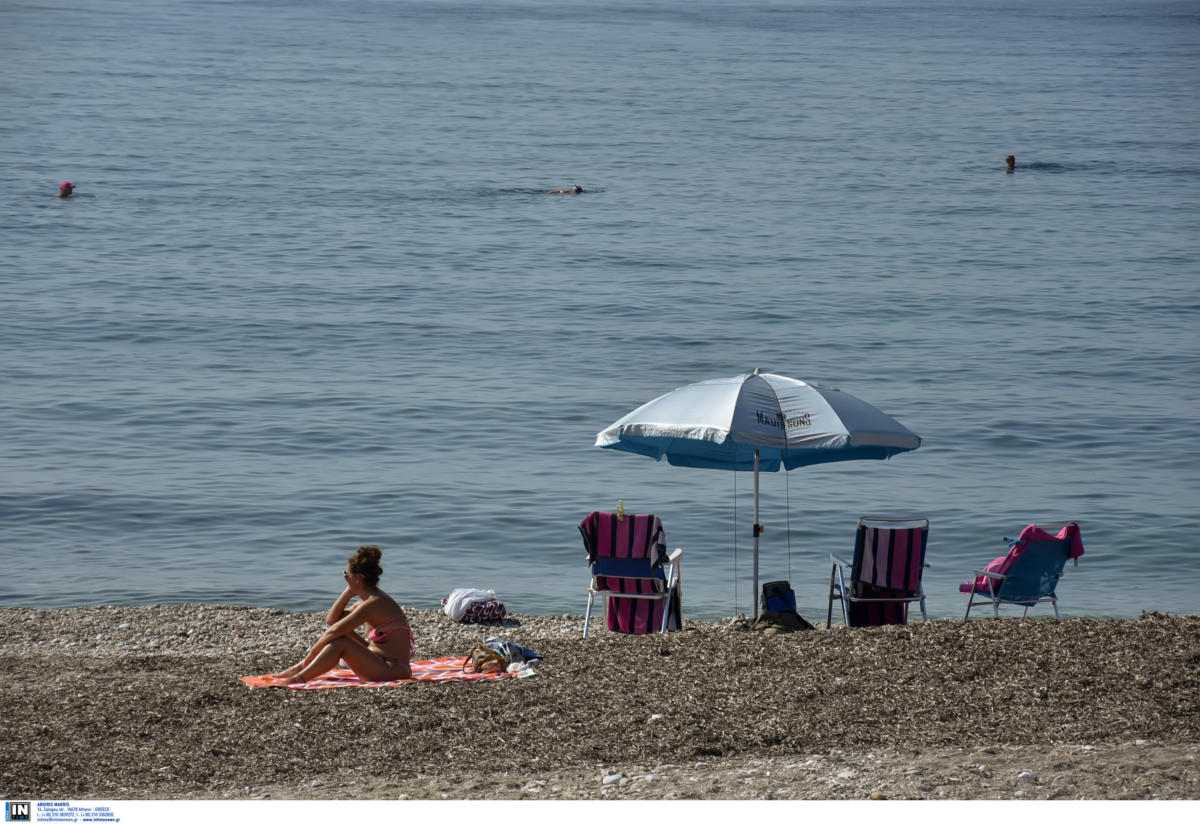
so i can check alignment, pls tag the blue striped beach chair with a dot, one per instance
(632, 573)
(885, 575)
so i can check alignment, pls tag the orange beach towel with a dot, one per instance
(437, 669)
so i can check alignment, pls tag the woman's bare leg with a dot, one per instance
(295, 668)
(326, 660)
(368, 666)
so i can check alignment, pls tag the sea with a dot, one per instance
(311, 291)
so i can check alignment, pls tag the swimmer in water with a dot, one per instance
(65, 189)
(574, 190)
(1010, 162)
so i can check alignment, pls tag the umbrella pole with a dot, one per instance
(757, 529)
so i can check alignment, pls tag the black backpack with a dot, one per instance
(779, 607)
(777, 596)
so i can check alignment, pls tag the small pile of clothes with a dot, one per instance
(474, 606)
(502, 655)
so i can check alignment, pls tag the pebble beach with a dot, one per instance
(145, 703)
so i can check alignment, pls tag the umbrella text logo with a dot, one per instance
(780, 421)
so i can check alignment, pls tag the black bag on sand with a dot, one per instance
(777, 596)
(779, 608)
(772, 622)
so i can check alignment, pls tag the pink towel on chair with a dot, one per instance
(1033, 532)
(892, 558)
(630, 537)
(890, 565)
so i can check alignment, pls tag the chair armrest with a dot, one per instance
(838, 561)
(675, 570)
(995, 576)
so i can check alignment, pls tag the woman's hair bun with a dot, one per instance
(365, 562)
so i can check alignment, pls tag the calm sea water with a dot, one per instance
(311, 293)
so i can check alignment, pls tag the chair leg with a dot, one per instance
(970, 601)
(829, 611)
(924, 615)
(1054, 603)
(587, 616)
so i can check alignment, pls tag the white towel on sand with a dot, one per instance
(460, 600)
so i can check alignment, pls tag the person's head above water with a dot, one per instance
(65, 188)
(1011, 162)
(576, 189)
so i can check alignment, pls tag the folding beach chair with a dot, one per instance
(885, 577)
(632, 572)
(1029, 573)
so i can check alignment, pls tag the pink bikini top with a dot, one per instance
(378, 634)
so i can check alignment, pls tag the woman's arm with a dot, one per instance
(345, 626)
(341, 622)
(338, 611)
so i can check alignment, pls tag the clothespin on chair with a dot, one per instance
(620, 510)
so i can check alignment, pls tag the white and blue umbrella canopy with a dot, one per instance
(721, 423)
(757, 422)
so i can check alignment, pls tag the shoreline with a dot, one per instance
(144, 703)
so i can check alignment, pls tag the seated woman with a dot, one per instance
(385, 653)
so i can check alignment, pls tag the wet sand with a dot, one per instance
(144, 703)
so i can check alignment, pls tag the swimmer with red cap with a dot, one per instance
(65, 189)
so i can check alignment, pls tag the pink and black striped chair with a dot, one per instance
(632, 572)
(885, 577)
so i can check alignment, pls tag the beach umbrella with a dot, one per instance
(757, 422)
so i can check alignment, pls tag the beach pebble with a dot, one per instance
(1026, 775)
(612, 778)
